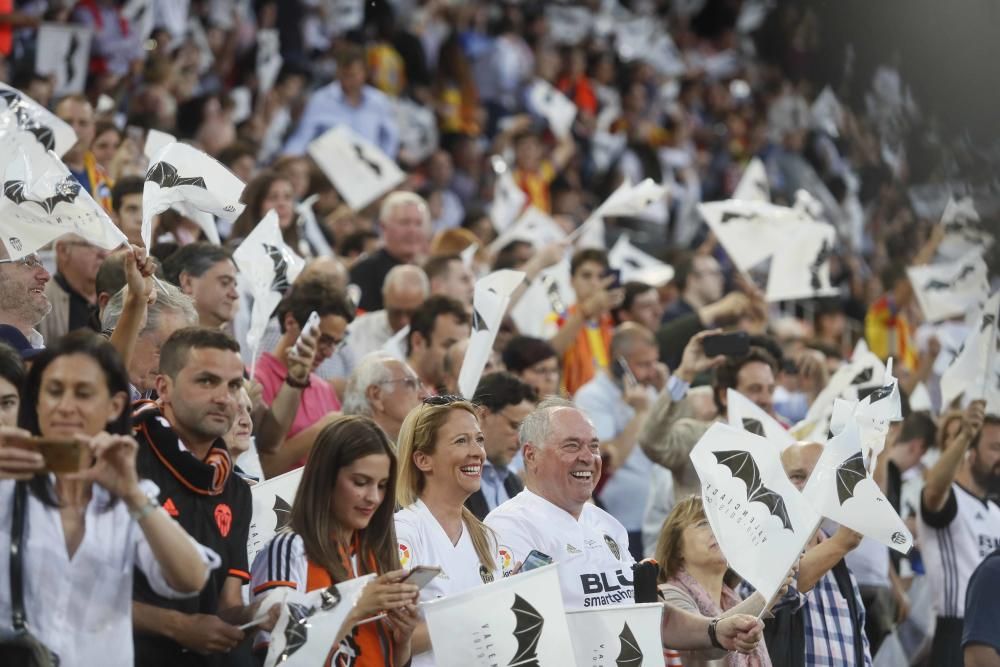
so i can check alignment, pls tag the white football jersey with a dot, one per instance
(595, 566)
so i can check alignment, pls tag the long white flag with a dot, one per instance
(551, 292)
(973, 375)
(558, 110)
(508, 199)
(803, 271)
(950, 290)
(272, 509)
(489, 304)
(519, 620)
(635, 264)
(760, 521)
(20, 113)
(750, 231)
(626, 635)
(359, 169)
(840, 488)
(753, 185)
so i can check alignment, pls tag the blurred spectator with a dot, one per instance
(535, 362)
(126, 209)
(207, 273)
(435, 326)
(640, 304)
(72, 290)
(77, 111)
(405, 289)
(449, 276)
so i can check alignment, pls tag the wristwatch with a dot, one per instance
(712, 637)
(296, 385)
(151, 505)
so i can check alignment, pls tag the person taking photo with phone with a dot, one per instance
(70, 494)
(441, 455)
(340, 528)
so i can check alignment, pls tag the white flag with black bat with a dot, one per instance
(760, 521)
(950, 290)
(634, 264)
(489, 304)
(803, 273)
(630, 200)
(141, 17)
(964, 231)
(269, 267)
(63, 51)
(272, 509)
(747, 415)
(534, 227)
(872, 414)
(750, 231)
(974, 374)
(180, 176)
(344, 15)
(557, 109)
(269, 60)
(626, 635)
(42, 201)
(418, 133)
(518, 620)
(359, 170)
(753, 185)
(304, 633)
(550, 292)
(840, 488)
(19, 113)
(509, 200)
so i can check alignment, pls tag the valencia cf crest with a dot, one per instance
(613, 546)
(485, 575)
(223, 518)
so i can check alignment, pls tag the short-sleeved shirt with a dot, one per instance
(595, 566)
(982, 605)
(318, 400)
(422, 541)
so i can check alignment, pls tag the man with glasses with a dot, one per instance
(282, 372)
(23, 302)
(504, 402)
(73, 289)
(383, 388)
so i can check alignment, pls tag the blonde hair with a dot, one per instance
(419, 434)
(670, 545)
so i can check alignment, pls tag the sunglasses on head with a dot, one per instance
(446, 399)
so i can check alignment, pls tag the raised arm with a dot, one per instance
(937, 485)
(140, 293)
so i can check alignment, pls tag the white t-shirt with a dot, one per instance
(422, 541)
(953, 543)
(595, 566)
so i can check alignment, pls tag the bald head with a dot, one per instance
(799, 461)
(325, 266)
(404, 290)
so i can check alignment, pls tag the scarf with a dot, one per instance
(708, 607)
(207, 477)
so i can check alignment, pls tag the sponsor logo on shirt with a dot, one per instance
(506, 558)
(602, 588)
(485, 575)
(404, 555)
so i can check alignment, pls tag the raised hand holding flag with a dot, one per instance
(358, 169)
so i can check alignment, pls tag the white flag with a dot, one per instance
(183, 175)
(568, 25)
(396, 346)
(269, 60)
(519, 620)
(630, 200)
(345, 15)
(63, 51)
(550, 292)
(950, 290)
(42, 201)
(622, 635)
(827, 114)
(20, 113)
(508, 199)
(141, 17)
(753, 185)
(872, 414)
(534, 227)
(974, 374)
(489, 303)
(747, 415)
(418, 133)
(750, 231)
(760, 521)
(805, 272)
(269, 267)
(634, 264)
(841, 489)
(359, 170)
(156, 141)
(964, 232)
(272, 509)
(557, 109)
(303, 635)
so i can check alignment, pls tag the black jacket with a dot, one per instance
(477, 501)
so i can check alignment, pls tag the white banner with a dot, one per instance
(973, 375)
(841, 489)
(550, 292)
(418, 132)
(508, 200)
(63, 52)
(753, 185)
(964, 232)
(950, 290)
(20, 113)
(269, 60)
(272, 509)
(635, 264)
(557, 109)
(804, 273)
(747, 415)
(630, 200)
(359, 170)
(490, 302)
(519, 620)
(618, 636)
(141, 17)
(760, 521)
(304, 633)
(750, 231)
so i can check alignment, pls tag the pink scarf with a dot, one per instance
(708, 607)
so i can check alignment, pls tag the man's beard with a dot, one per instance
(987, 478)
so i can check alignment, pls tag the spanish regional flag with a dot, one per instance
(888, 333)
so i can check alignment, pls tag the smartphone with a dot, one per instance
(61, 456)
(734, 344)
(644, 576)
(310, 328)
(422, 575)
(534, 560)
(627, 373)
(617, 275)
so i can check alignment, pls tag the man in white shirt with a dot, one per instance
(404, 290)
(552, 515)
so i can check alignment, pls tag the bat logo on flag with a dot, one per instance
(743, 467)
(630, 654)
(753, 426)
(297, 630)
(74, 45)
(628, 261)
(880, 393)
(66, 191)
(736, 215)
(863, 376)
(849, 473)
(822, 256)
(527, 631)
(280, 282)
(988, 319)
(43, 133)
(282, 513)
(478, 323)
(552, 292)
(939, 285)
(371, 165)
(485, 575)
(165, 175)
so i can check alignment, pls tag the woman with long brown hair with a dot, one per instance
(341, 527)
(441, 454)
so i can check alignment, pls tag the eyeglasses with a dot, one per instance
(31, 261)
(331, 343)
(409, 382)
(446, 399)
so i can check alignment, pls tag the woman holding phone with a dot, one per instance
(87, 526)
(441, 454)
(341, 528)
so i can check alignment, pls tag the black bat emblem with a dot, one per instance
(165, 175)
(67, 191)
(934, 284)
(988, 320)
(364, 158)
(743, 467)
(280, 282)
(630, 655)
(825, 251)
(478, 323)
(631, 263)
(880, 393)
(735, 215)
(863, 376)
(15, 103)
(753, 426)
(849, 473)
(527, 631)
(552, 292)
(297, 630)
(282, 513)
(74, 46)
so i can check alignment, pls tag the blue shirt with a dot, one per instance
(492, 484)
(982, 605)
(373, 120)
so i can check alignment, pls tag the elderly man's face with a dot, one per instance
(567, 466)
(405, 232)
(22, 291)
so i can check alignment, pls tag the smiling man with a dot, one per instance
(23, 303)
(562, 465)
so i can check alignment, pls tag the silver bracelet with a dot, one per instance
(152, 504)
